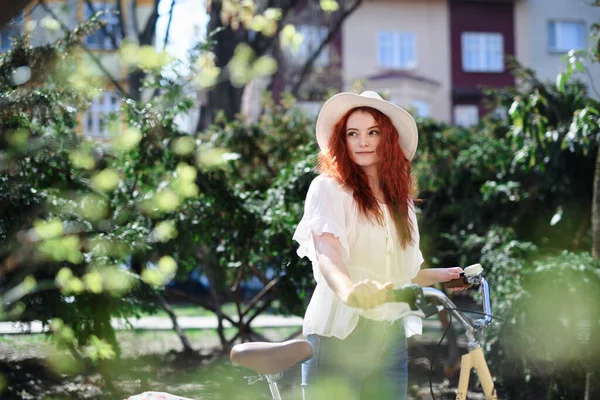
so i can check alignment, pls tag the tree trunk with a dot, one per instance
(215, 296)
(187, 347)
(596, 211)
(588, 378)
(134, 84)
(223, 96)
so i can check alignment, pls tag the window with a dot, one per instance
(564, 36)
(101, 39)
(422, 108)
(396, 50)
(313, 36)
(13, 28)
(482, 52)
(466, 115)
(95, 118)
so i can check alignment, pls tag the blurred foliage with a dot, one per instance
(88, 228)
(551, 337)
(66, 225)
(527, 183)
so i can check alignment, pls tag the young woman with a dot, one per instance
(359, 229)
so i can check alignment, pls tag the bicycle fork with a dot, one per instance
(475, 359)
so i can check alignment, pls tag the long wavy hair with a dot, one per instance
(394, 173)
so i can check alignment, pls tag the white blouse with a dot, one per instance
(370, 251)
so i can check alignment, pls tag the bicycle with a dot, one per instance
(271, 360)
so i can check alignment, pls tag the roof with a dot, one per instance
(401, 75)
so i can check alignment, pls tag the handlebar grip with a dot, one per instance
(459, 282)
(405, 294)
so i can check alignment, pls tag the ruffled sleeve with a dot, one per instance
(324, 211)
(417, 256)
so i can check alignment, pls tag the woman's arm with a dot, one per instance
(431, 276)
(364, 294)
(329, 255)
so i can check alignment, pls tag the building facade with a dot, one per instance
(482, 35)
(547, 29)
(401, 48)
(435, 56)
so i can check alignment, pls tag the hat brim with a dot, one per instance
(341, 103)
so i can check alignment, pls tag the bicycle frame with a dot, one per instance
(475, 358)
(415, 296)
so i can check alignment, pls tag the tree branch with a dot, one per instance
(122, 21)
(187, 347)
(169, 25)
(113, 39)
(95, 59)
(259, 296)
(148, 34)
(136, 26)
(332, 33)
(199, 303)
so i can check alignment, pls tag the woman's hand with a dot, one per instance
(431, 276)
(447, 274)
(450, 274)
(367, 294)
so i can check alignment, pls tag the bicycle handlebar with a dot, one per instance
(414, 295)
(405, 294)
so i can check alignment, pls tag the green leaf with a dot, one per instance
(514, 109)
(167, 265)
(153, 277)
(128, 140)
(184, 145)
(167, 200)
(560, 82)
(93, 282)
(49, 229)
(164, 231)
(556, 217)
(329, 5)
(264, 66)
(106, 180)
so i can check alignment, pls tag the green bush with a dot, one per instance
(550, 337)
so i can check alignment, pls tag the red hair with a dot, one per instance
(394, 171)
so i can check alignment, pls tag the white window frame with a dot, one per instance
(13, 28)
(466, 115)
(99, 40)
(557, 43)
(396, 50)
(482, 52)
(95, 118)
(312, 37)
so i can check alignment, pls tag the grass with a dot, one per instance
(186, 310)
(146, 339)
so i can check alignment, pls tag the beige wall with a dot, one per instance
(429, 20)
(531, 21)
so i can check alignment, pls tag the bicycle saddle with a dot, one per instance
(270, 358)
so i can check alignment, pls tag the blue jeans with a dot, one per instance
(371, 363)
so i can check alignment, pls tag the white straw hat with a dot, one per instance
(341, 103)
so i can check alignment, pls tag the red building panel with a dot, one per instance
(477, 16)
